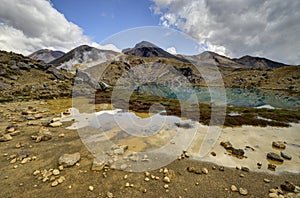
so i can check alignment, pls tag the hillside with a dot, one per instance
(25, 78)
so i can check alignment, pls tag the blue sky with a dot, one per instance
(103, 18)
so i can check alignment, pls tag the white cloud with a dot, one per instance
(236, 27)
(172, 50)
(27, 26)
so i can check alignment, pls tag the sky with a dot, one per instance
(265, 28)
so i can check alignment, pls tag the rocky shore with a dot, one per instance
(40, 158)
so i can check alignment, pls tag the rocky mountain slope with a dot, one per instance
(24, 78)
(81, 56)
(46, 55)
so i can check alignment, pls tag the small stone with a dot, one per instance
(21, 184)
(144, 190)
(166, 171)
(52, 178)
(127, 184)
(55, 172)
(147, 179)
(33, 158)
(109, 195)
(244, 168)
(18, 145)
(191, 169)
(13, 161)
(285, 155)
(68, 160)
(36, 172)
(147, 174)
(166, 179)
(213, 167)
(5, 138)
(70, 187)
(213, 153)
(204, 171)
(233, 188)
(278, 144)
(25, 160)
(45, 179)
(55, 124)
(221, 168)
(226, 145)
(125, 176)
(272, 167)
(242, 175)
(123, 166)
(61, 168)
(166, 186)
(55, 183)
(61, 179)
(266, 180)
(243, 191)
(288, 186)
(91, 188)
(61, 135)
(273, 195)
(274, 156)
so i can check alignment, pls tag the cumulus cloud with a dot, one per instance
(172, 50)
(235, 27)
(27, 26)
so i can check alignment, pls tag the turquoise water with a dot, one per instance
(234, 96)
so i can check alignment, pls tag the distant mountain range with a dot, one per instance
(86, 54)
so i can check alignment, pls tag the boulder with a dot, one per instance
(274, 156)
(68, 160)
(285, 155)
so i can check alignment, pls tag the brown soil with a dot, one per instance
(20, 181)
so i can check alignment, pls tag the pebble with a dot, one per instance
(127, 184)
(221, 168)
(123, 166)
(109, 195)
(55, 183)
(205, 171)
(147, 179)
(61, 135)
(13, 161)
(61, 179)
(285, 155)
(125, 176)
(55, 124)
(244, 168)
(266, 180)
(278, 144)
(35, 173)
(242, 175)
(61, 167)
(166, 179)
(243, 191)
(91, 188)
(166, 186)
(147, 174)
(233, 188)
(273, 195)
(55, 172)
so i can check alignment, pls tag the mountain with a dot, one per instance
(81, 56)
(258, 62)
(149, 50)
(46, 55)
(214, 59)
